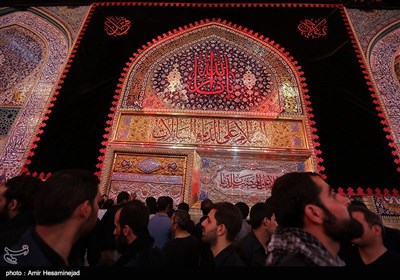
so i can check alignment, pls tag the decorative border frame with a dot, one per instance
(191, 167)
(373, 88)
(22, 135)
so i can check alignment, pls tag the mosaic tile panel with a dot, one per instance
(368, 23)
(382, 60)
(193, 130)
(212, 68)
(378, 32)
(71, 17)
(149, 164)
(23, 55)
(247, 180)
(149, 172)
(388, 207)
(53, 53)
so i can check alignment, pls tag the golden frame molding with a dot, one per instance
(191, 167)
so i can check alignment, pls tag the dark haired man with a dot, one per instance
(65, 210)
(17, 199)
(370, 249)
(313, 220)
(220, 228)
(252, 249)
(134, 242)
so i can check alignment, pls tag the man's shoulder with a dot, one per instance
(25, 252)
(293, 260)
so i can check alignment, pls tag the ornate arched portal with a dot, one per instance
(209, 110)
(383, 54)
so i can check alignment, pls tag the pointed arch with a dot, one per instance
(48, 48)
(381, 55)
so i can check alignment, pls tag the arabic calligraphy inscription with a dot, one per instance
(211, 131)
(313, 28)
(213, 75)
(116, 26)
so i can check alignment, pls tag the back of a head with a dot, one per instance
(136, 215)
(230, 216)
(244, 209)
(150, 200)
(62, 192)
(171, 202)
(123, 197)
(163, 202)
(151, 203)
(205, 206)
(24, 189)
(108, 203)
(181, 217)
(259, 211)
(290, 194)
(184, 206)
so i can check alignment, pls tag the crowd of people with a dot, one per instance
(65, 221)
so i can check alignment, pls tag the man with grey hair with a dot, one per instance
(184, 248)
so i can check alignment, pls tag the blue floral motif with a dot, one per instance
(203, 195)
